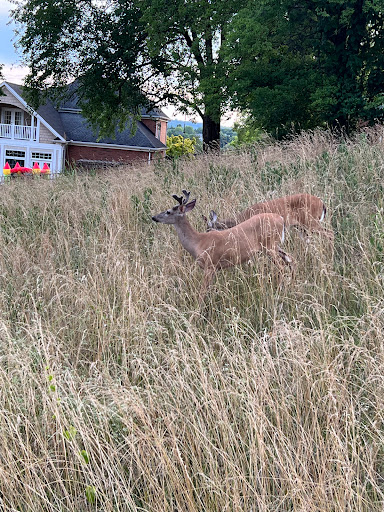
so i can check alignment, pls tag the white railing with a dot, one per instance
(14, 131)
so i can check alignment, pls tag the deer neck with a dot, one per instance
(188, 236)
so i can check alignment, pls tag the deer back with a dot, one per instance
(297, 209)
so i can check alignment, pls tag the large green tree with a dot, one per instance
(300, 64)
(125, 54)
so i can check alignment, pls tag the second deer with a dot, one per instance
(303, 211)
(216, 250)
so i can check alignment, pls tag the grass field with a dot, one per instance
(119, 394)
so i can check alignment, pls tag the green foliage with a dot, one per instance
(247, 132)
(290, 65)
(178, 146)
(90, 494)
(70, 433)
(130, 55)
(143, 206)
(227, 135)
(300, 65)
(187, 132)
(84, 455)
(102, 53)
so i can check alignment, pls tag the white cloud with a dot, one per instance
(5, 7)
(14, 74)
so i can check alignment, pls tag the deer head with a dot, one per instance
(175, 214)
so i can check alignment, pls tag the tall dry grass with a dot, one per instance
(116, 397)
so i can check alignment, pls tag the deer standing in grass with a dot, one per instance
(216, 250)
(303, 211)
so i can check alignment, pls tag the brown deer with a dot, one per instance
(215, 250)
(303, 211)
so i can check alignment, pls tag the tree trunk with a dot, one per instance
(211, 133)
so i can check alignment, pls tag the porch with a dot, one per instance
(18, 132)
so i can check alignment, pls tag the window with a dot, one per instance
(41, 156)
(158, 130)
(12, 116)
(13, 156)
(7, 117)
(19, 117)
(20, 154)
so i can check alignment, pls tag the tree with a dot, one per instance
(304, 64)
(247, 132)
(125, 54)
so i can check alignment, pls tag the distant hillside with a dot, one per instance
(175, 122)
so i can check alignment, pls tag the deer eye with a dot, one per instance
(168, 212)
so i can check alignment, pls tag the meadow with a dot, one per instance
(118, 393)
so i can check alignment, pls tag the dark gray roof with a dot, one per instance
(77, 130)
(68, 122)
(70, 102)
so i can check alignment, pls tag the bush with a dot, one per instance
(178, 146)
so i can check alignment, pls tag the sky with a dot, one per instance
(14, 71)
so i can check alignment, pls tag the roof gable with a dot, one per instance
(46, 113)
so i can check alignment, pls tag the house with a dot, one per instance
(60, 135)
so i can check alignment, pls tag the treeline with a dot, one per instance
(227, 135)
(286, 66)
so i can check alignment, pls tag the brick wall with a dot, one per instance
(75, 153)
(151, 124)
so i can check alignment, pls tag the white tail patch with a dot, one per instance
(283, 233)
(322, 214)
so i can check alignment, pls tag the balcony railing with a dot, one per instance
(15, 131)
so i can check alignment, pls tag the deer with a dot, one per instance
(217, 250)
(302, 211)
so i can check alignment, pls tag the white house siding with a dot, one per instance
(45, 136)
(10, 99)
(41, 151)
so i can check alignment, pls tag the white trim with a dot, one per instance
(155, 118)
(69, 110)
(31, 111)
(57, 151)
(114, 146)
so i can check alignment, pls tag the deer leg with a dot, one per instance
(287, 259)
(303, 234)
(277, 260)
(209, 272)
(316, 227)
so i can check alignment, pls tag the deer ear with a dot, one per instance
(190, 206)
(205, 219)
(213, 216)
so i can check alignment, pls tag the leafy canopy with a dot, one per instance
(126, 54)
(305, 64)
